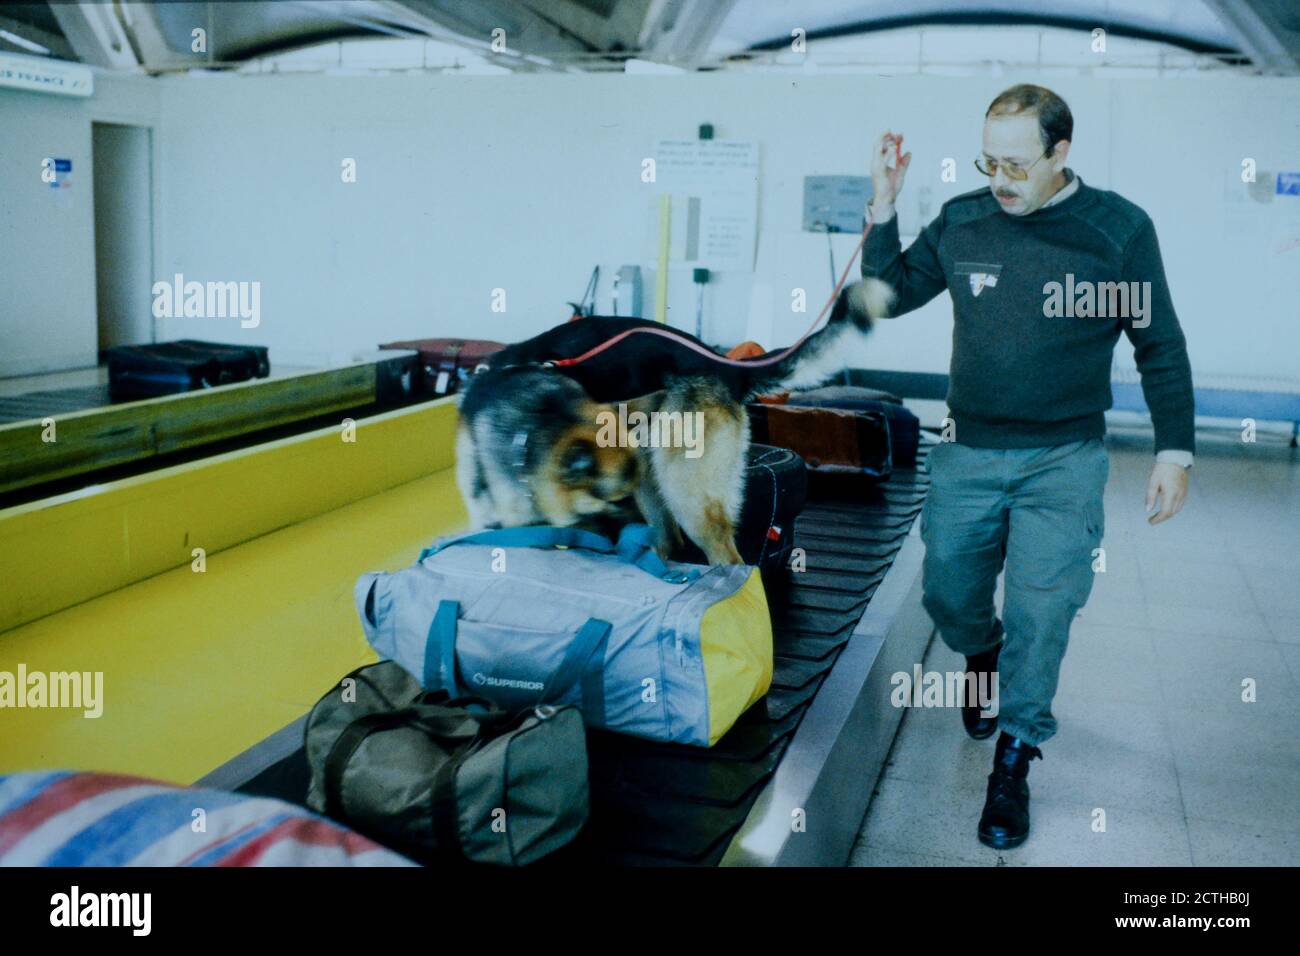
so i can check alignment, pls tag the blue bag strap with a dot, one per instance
(528, 536)
(585, 662)
(593, 689)
(634, 545)
(440, 650)
(632, 540)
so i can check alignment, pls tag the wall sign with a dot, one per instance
(43, 75)
(62, 173)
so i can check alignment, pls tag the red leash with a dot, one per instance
(654, 330)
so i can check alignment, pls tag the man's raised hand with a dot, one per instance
(887, 180)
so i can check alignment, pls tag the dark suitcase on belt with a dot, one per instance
(904, 426)
(831, 441)
(167, 368)
(776, 487)
(446, 363)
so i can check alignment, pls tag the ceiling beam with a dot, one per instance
(999, 18)
(96, 35)
(680, 31)
(1259, 27)
(140, 21)
(441, 20)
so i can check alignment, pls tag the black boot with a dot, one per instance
(1005, 821)
(979, 727)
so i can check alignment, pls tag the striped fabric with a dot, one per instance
(60, 818)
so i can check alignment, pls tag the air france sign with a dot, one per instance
(45, 76)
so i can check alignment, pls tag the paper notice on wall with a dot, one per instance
(714, 185)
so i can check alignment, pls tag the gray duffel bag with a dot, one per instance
(417, 771)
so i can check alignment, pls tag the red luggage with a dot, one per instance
(904, 426)
(448, 362)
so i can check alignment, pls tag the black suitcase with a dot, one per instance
(904, 426)
(166, 368)
(776, 487)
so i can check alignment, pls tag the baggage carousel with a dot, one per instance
(209, 671)
(790, 783)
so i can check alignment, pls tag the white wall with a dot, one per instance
(470, 183)
(47, 236)
(466, 184)
(1231, 251)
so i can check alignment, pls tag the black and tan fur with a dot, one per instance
(527, 449)
(526, 452)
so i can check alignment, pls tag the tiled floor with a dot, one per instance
(1153, 733)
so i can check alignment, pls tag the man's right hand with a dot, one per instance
(886, 181)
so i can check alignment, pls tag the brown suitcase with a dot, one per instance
(830, 440)
(448, 362)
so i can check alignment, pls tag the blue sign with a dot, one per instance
(63, 165)
(1288, 184)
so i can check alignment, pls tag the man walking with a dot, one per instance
(1044, 272)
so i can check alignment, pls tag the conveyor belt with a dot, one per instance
(207, 675)
(37, 405)
(662, 804)
(97, 440)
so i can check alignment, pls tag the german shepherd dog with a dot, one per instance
(529, 445)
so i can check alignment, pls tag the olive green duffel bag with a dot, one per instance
(418, 771)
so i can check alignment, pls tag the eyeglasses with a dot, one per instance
(1018, 173)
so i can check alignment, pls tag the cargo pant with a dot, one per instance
(1039, 511)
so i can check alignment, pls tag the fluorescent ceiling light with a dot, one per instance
(26, 44)
(636, 65)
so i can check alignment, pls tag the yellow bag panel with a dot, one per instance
(736, 643)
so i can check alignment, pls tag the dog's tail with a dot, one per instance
(840, 345)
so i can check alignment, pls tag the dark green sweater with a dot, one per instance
(1019, 377)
